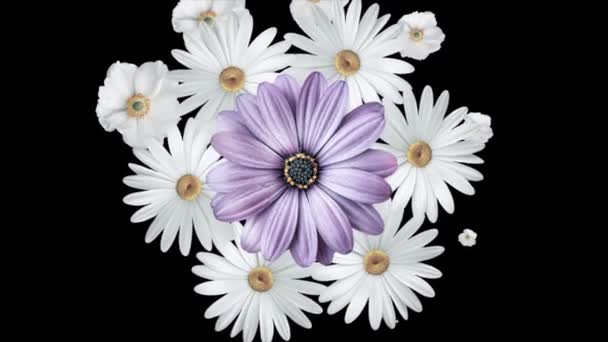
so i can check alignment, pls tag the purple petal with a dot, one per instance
(280, 226)
(304, 244)
(229, 177)
(327, 116)
(363, 217)
(312, 89)
(290, 89)
(359, 130)
(356, 185)
(259, 123)
(278, 117)
(269, 117)
(378, 162)
(325, 255)
(251, 237)
(332, 224)
(241, 205)
(245, 150)
(231, 121)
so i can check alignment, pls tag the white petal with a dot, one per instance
(334, 272)
(219, 287)
(359, 300)
(219, 264)
(305, 287)
(224, 304)
(266, 313)
(413, 282)
(406, 188)
(375, 306)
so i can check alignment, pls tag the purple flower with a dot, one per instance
(300, 170)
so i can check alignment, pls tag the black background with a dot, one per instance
(110, 283)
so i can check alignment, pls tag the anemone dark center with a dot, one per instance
(138, 106)
(207, 17)
(301, 171)
(417, 35)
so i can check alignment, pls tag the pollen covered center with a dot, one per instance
(419, 154)
(314, 1)
(188, 187)
(347, 62)
(207, 17)
(261, 279)
(232, 79)
(301, 171)
(416, 35)
(376, 262)
(138, 106)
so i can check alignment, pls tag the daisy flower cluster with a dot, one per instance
(298, 160)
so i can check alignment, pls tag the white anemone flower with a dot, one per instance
(189, 15)
(139, 102)
(420, 35)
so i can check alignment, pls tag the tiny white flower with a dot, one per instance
(383, 271)
(467, 238)
(256, 292)
(484, 125)
(224, 62)
(174, 190)
(188, 15)
(353, 48)
(304, 9)
(138, 102)
(420, 35)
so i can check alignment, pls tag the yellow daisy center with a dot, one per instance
(376, 262)
(189, 187)
(419, 154)
(261, 279)
(138, 106)
(232, 79)
(347, 62)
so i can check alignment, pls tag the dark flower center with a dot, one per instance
(301, 171)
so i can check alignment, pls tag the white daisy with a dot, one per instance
(174, 190)
(484, 127)
(419, 35)
(256, 292)
(223, 64)
(467, 238)
(431, 151)
(138, 102)
(352, 50)
(188, 15)
(384, 270)
(303, 9)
